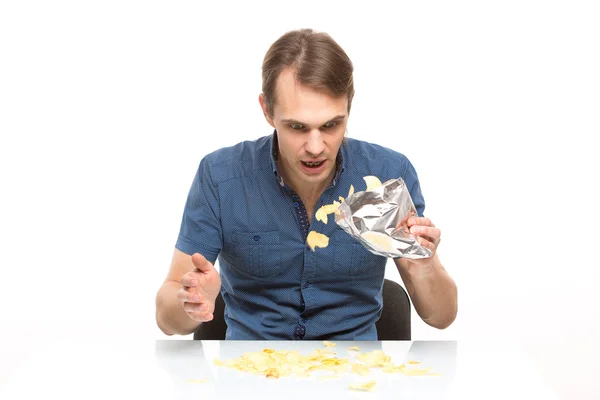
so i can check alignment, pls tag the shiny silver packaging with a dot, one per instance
(378, 219)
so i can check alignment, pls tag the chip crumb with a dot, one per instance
(329, 344)
(413, 362)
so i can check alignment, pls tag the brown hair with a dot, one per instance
(319, 62)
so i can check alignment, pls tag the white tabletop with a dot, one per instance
(171, 369)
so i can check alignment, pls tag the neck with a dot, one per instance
(309, 194)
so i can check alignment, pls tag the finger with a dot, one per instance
(201, 263)
(185, 295)
(426, 243)
(430, 232)
(202, 316)
(190, 279)
(420, 221)
(201, 308)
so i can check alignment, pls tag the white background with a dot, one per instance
(106, 109)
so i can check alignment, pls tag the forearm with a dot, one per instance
(170, 316)
(433, 292)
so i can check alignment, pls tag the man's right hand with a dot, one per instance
(200, 288)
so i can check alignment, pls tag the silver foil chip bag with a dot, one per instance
(378, 219)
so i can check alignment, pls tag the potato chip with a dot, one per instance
(274, 364)
(316, 239)
(414, 362)
(341, 199)
(379, 240)
(372, 182)
(272, 373)
(351, 192)
(360, 369)
(322, 212)
(354, 348)
(367, 386)
(375, 359)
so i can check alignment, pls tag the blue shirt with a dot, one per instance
(274, 286)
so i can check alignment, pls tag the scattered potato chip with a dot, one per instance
(275, 364)
(328, 344)
(367, 386)
(414, 362)
(316, 239)
(375, 359)
(354, 348)
(199, 381)
(372, 182)
(380, 240)
(351, 192)
(360, 369)
(272, 373)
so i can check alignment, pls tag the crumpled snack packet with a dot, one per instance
(378, 218)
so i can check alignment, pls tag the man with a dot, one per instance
(252, 206)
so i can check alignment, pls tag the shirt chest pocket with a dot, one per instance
(353, 259)
(255, 254)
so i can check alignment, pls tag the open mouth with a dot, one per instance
(313, 164)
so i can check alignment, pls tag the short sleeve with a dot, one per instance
(200, 230)
(414, 187)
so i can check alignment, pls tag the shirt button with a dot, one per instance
(296, 204)
(305, 285)
(256, 238)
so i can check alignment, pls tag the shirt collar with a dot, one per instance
(340, 160)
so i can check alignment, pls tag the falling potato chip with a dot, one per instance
(316, 239)
(351, 192)
(372, 182)
(367, 386)
(322, 212)
(379, 240)
(329, 344)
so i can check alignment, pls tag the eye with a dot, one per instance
(330, 125)
(296, 127)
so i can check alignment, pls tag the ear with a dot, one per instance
(265, 109)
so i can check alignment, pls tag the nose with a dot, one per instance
(315, 145)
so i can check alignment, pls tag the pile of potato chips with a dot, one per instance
(276, 364)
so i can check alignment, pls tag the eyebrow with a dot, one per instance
(293, 121)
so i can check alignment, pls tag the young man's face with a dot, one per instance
(310, 128)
